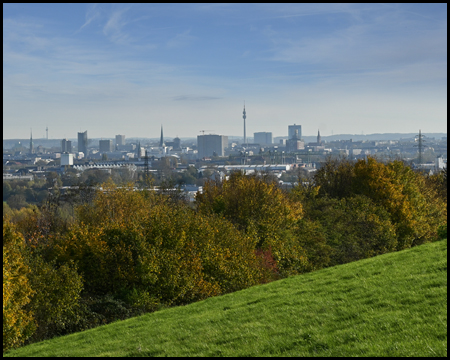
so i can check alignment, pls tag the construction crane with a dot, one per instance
(203, 131)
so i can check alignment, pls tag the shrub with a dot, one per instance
(442, 232)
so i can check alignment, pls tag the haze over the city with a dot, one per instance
(128, 69)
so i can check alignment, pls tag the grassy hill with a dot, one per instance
(390, 305)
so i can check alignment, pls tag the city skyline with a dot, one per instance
(126, 69)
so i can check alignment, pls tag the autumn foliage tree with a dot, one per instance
(18, 322)
(149, 251)
(256, 205)
(413, 207)
(114, 252)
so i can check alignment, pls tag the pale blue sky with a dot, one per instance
(128, 68)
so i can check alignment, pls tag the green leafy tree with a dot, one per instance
(7, 190)
(55, 302)
(413, 207)
(355, 228)
(17, 201)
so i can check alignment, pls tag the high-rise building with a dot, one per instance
(82, 142)
(176, 143)
(120, 140)
(211, 145)
(291, 131)
(263, 138)
(295, 143)
(66, 146)
(66, 159)
(105, 145)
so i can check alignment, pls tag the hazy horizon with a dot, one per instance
(374, 136)
(130, 68)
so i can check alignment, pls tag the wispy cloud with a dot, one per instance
(181, 40)
(114, 27)
(289, 61)
(93, 13)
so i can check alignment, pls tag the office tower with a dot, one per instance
(105, 145)
(291, 131)
(120, 140)
(66, 146)
(294, 143)
(82, 142)
(263, 138)
(66, 159)
(211, 145)
(177, 143)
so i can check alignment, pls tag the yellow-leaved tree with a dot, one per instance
(256, 205)
(17, 322)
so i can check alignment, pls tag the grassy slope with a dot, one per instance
(390, 305)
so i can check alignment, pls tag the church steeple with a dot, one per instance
(31, 142)
(161, 141)
(319, 140)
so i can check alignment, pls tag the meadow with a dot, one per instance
(393, 304)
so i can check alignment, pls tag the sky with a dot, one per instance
(131, 68)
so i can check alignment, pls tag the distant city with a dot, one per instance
(260, 152)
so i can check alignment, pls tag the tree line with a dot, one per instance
(124, 252)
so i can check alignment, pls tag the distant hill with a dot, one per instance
(369, 137)
(390, 305)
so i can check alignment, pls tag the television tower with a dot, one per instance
(46, 129)
(244, 117)
(420, 140)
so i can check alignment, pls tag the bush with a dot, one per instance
(442, 232)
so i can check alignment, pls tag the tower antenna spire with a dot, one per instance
(244, 116)
(420, 139)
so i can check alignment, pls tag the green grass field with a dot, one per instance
(390, 305)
